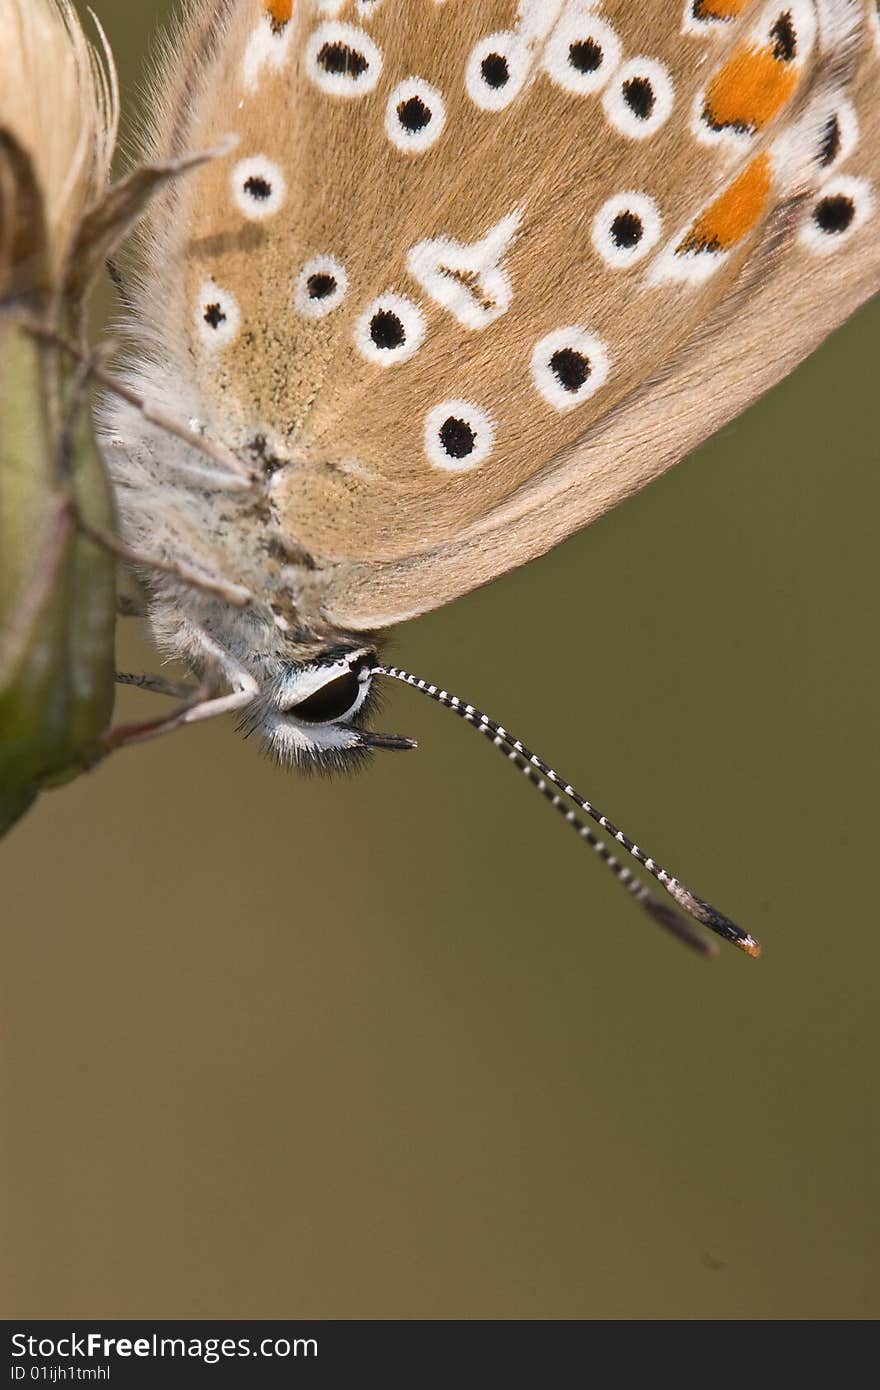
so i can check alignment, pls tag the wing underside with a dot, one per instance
(474, 273)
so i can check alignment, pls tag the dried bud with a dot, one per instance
(58, 121)
(59, 115)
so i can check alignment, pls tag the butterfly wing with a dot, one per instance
(477, 272)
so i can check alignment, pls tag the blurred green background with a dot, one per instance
(397, 1046)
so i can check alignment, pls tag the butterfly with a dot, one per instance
(462, 277)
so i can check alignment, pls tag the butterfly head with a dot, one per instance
(313, 712)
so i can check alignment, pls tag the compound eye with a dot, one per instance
(332, 702)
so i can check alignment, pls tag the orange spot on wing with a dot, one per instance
(279, 10)
(719, 9)
(734, 212)
(749, 90)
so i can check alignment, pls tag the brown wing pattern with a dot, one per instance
(478, 271)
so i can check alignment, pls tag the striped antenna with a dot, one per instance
(540, 774)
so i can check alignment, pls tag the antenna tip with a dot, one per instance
(748, 944)
(713, 919)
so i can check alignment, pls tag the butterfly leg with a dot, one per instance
(214, 586)
(156, 685)
(203, 701)
(228, 471)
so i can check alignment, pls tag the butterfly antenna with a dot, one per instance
(663, 913)
(541, 775)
